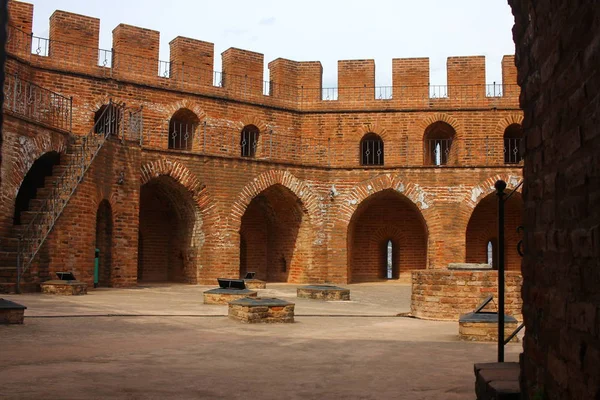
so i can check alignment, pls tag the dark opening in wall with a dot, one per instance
(41, 168)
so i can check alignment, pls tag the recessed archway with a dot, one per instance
(170, 232)
(34, 179)
(275, 236)
(383, 218)
(104, 232)
(482, 230)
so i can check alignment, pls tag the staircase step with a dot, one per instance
(36, 204)
(28, 216)
(9, 244)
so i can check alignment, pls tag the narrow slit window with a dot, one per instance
(389, 260)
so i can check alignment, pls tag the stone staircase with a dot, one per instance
(18, 250)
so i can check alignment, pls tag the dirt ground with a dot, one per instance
(161, 342)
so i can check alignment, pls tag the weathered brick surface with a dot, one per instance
(253, 314)
(220, 296)
(323, 293)
(484, 331)
(64, 288)
(11, 316)
(445, 295)
(558, 54)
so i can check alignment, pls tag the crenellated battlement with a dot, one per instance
(73, 45)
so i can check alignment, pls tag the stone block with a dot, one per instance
(323, 292)
(65, 288)
(483, 327)
(224, 296)
(261, 310)
(255, 284)
(11, 312)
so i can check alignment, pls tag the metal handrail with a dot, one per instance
(40, 226)
(26, 99)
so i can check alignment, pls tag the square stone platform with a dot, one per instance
(262, 310)
(323, 292)
(65, 288)
(497, 381)
(224, 296)
(483, 327)
(11, 312)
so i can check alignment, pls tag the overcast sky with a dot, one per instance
(315, 30)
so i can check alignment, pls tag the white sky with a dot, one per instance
(313, 30)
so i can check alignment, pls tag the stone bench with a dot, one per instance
(65, 288)
(497, 381)
(11, 312)
(255, 284)
(224, 296)
(483, 326)
(323, 292)
(262, 310)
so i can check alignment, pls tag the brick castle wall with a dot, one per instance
(303, 209)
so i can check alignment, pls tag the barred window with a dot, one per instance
(182, 127)
(371, 150)
(513, 135)
(437, 143)
(249, 141)
(107, 120)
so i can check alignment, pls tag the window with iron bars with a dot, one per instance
(371, 150)
(107, 120)
(437, 143)
(249, 141)
(182, 127)
(512, 144)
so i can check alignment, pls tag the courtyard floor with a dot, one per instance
(161, 342)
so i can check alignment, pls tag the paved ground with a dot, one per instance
(161, 342)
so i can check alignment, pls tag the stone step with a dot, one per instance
(497, 381)
(28, 216)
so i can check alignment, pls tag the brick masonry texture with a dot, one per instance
(303, 209)
(446, 295)
(11, 316)
(558, 53)
(63, 288)
(484, 331)
(262, 313)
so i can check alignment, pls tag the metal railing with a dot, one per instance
(182, 76)
(512, 153)
(34, 102)
(218, 138)
(81, 156)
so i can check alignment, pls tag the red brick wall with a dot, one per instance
(312, 154)
(483, 227)
(558, 54)
(445, 295)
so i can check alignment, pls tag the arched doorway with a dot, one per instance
(170, 232)
(482, 232)
(275, 237)
(104, 231)
(387, 236)
(34, 179)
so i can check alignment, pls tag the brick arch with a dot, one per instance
(112, 199)
(28, 151)
(253, 120)
(265, 180)
(506, 122)
(352, 200)
(440, 117)
(373, 128)
(483, 188)
(182, 175)
(194, 107)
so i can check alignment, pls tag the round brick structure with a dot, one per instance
(323, 292)
(224, 296)
(255, 284)
(446, 294)
(262, 310)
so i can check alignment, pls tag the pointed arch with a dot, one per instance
(309, 200)
(193, 106)
(440, 117)
(373, 127)
(507, 121)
